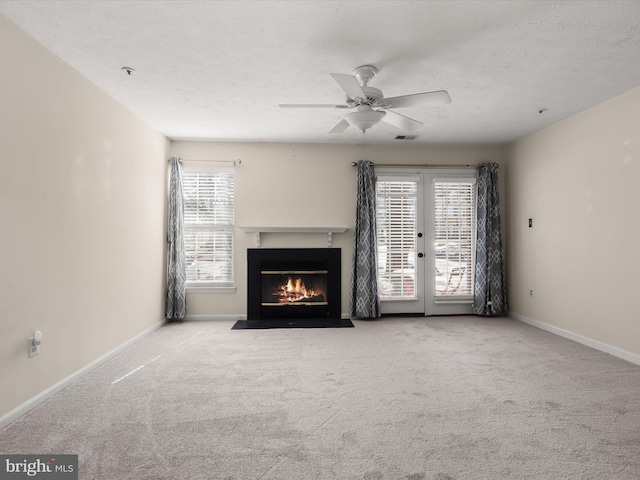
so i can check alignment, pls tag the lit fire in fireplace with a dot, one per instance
(295, 291)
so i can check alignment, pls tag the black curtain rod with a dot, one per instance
(235, 162)
(417, 165)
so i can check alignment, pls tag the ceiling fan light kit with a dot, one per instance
(371, 105)
(365, 117)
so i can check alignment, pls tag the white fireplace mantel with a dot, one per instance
(328, 230)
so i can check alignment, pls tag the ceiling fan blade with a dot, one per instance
(341, 126)
(438, 97)
(350, 85)
(311, 105)
(401, 122)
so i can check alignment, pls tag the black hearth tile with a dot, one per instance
(292, 323)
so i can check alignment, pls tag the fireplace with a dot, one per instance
(293, 283)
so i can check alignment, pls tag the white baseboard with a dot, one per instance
(206, 318)
(42, 396)
(603, 347)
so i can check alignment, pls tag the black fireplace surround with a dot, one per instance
(270, 269)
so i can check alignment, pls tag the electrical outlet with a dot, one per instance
(33, 350)
(531, 292)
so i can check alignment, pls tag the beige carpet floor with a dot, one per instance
(396, 398)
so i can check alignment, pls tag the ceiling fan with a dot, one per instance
(371, 105)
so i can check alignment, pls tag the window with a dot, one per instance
(208, 226)
(454, 237)
(396, 208)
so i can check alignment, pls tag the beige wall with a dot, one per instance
(82, 203)
(308, 185)
(579, 181)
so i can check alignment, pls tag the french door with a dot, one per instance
(426, 240)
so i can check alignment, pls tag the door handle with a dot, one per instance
(421, 255)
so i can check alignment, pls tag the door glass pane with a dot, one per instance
(454, 238)
(396, 230)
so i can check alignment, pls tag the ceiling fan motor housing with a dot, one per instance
(374, 96)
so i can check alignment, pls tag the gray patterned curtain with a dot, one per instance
(365, 302)
(490, 297)
(176, 301)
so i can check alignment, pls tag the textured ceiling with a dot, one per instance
(217, 70)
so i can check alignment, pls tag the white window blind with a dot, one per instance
(397, 202)
(454, 237)
(208, 225)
